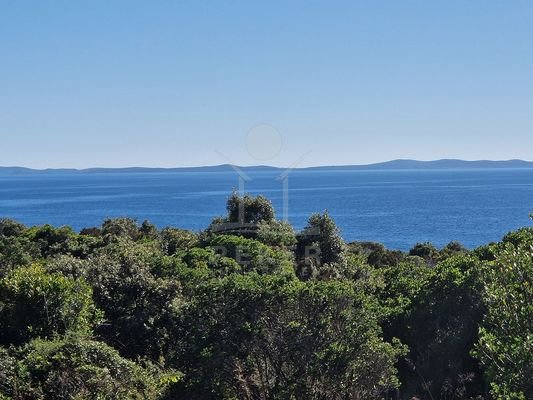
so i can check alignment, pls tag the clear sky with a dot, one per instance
(179, 83)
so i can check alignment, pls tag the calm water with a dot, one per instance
(397, 208)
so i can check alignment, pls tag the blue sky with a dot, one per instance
(175, 83)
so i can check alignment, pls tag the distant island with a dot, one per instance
(401, 164)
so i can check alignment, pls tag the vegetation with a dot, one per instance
(251, 309)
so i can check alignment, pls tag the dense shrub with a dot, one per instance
(76, 369)
(505, 346)
(252, 255)
(250, 309)
(35, 303)
(265, 337)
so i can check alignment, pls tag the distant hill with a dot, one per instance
(439, 164)
(388, 165)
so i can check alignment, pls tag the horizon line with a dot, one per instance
(379, 163)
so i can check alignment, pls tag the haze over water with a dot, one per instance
(395, 207)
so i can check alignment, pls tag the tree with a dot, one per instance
(272, 337)
(16, 251)
(522, 236)
(452, 249)
(276, 233)
(227, 309)
(148, 230)
(426, 251)
(140, 307)
(15, 247)
(113, 229)
(376, 254)
(506, 333)
(320, 249)
(10, 228)
(174, 239)
(436, 314)
(253, 255)
(249, 210)
(75, 368)
(35, 303)
(52, 241)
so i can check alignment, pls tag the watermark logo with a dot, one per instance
(263, 143)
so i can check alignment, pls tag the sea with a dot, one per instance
(398, 208)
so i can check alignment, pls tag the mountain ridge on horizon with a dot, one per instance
(401, 164)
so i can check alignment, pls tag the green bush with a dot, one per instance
(274, 337)
(76, 369)
(247, 312)
(252, 255)
(35, 303)
(505, 346)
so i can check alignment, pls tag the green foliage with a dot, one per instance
(120, 228)
(441, 310)
(173, 240)
(487, 252)
(11, 228)
(376, 254)
(451, 249)
(15, 251)
(21, 246)
(35, 303)
(403, 286)
(226, 307)
(140, 308)
(206, 258)
(431, 255)
(75, 369)
(276, 233)
(505, 346)
(252, 255)
(249, 210)
(265, 337)
(322, 230)
(426, 251)
(92, 231)
(68, 266)
(520, 237)
(321, 251)
(148, 230)
(50, 240)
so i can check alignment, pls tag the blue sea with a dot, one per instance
(395, 207)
